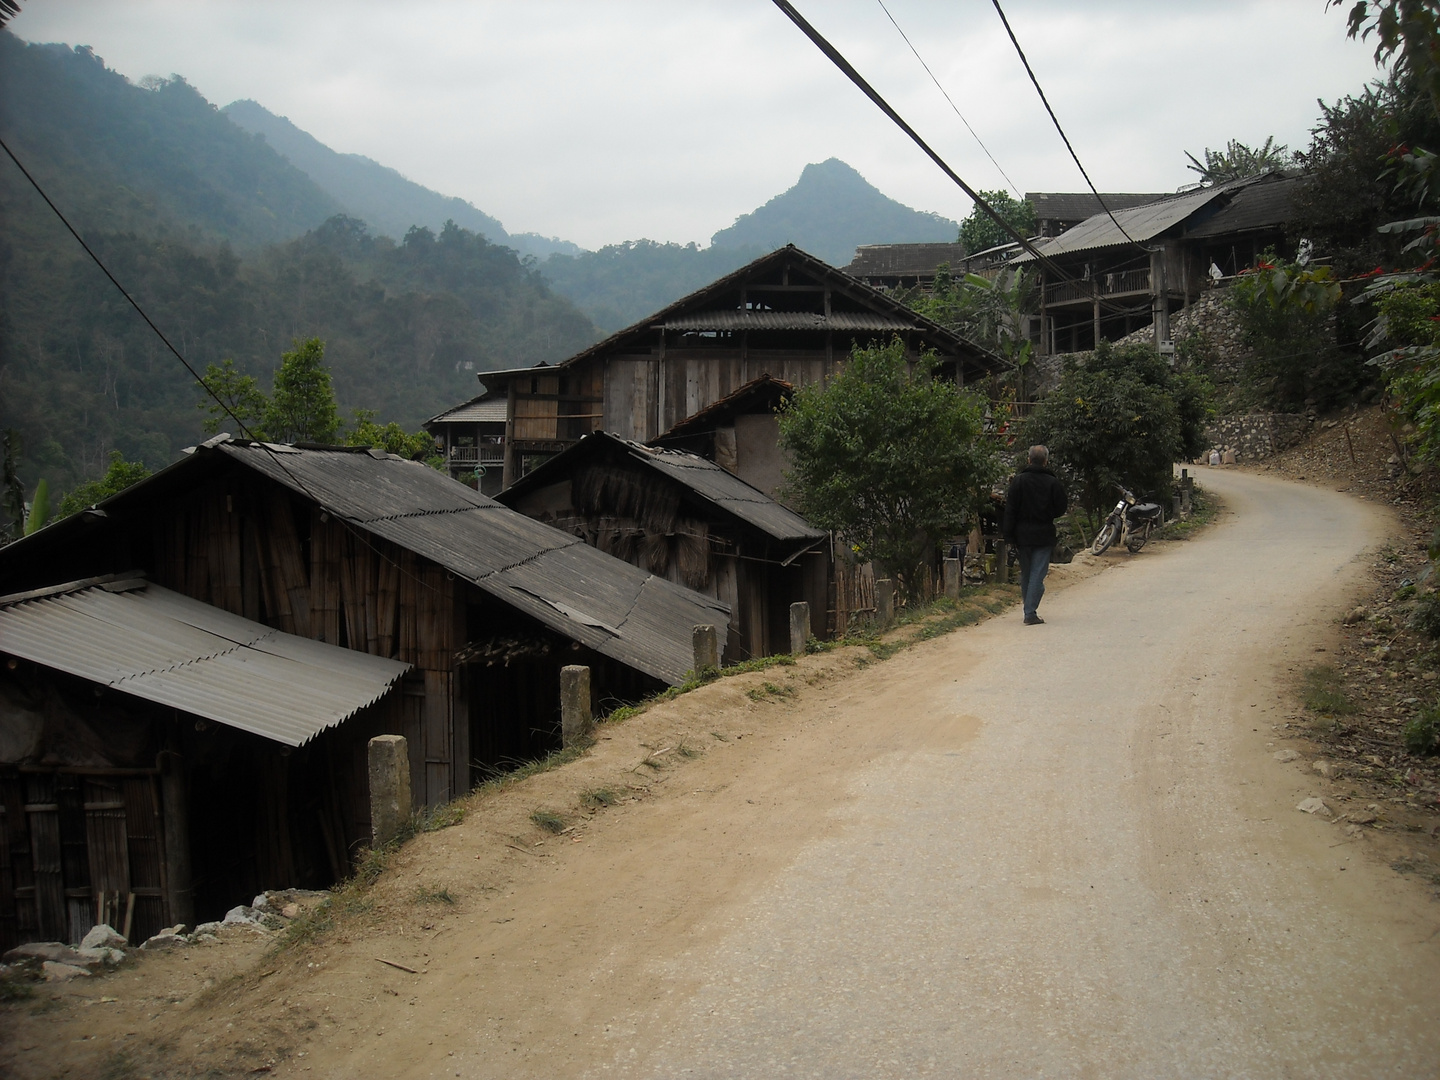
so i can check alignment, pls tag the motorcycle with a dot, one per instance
(1131, 522)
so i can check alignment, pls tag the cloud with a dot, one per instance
(607, 122)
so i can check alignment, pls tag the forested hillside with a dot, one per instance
(185, 208)
(379, 195)
(831, 211)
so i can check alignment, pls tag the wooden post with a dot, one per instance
(706, 646)
(1002, 562)
(885, 600)
(389, 788)
(178, 879)
(577, 721)
(953, 573)
(799, 628)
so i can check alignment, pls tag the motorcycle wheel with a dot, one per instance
(1104, 538)
(1135, 541)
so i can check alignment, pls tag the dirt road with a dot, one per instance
(1064, 850)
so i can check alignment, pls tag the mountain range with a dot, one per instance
(239, 232)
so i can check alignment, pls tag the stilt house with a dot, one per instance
(787, 314)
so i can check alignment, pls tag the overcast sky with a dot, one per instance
(606, 121)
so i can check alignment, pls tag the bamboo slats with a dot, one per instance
(327, 553)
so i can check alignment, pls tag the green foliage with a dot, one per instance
(1422, 734)
(119, 476)
(889, 456)
(1124, 417)
(393, 439)
(1407, 32)
(1324, 692)
(302, 404)
(984, 311)
(1238, 161)
(549, 820)
(1285, 312)
(978, 231)
(39, 508)
(240, 399)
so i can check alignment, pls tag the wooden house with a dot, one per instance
(391, 561)
(161, 757)
(740, 433)
(472, 440)
(1057, 211)
(680, 516)
(787, 314)
(1109, 275)
(904, 266)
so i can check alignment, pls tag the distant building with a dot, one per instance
(1056, 211)
(904, 266)
(472, 438)
(787, 314)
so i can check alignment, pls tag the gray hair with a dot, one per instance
(1039, 455)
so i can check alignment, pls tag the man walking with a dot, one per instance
(1035, 499)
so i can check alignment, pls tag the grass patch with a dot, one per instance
(425, 895)
(549, 820)
(767, 691)
(13, 989)
(1422, 735)
(1324, 693)
(595, 798)
(685, 750)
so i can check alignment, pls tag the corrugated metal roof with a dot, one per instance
(167, 648)
(550, 575)
(709, 481)
(1140, 222)
(1079, 205)
(728, 491)
(1260, 206)
(788, 320)
(483, 409)
(765, 390)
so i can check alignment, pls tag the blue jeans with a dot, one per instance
(1034, 564)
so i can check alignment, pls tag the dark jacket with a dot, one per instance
(1035, 499)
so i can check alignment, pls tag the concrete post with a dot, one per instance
(1002, 562)
(885, 600)
(389, 788)
(799, 628)
(953, 578)
(706, 645)
(1187, 485)
(577, 722)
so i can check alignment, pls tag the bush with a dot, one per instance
(1422, 735)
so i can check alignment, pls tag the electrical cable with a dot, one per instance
(276, 458)
(1056, 121)
(942, 90)
(836, 58)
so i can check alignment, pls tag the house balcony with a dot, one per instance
(1119, 285)
(462, 456)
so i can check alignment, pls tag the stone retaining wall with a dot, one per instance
(1257, 435)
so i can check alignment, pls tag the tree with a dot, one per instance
(1124, 417)
(302, 404)
(1407, 32)
(978, 231)
(989, 313)
(119, 476)
(889, 456)
(242, 398)
(393, 439)
(1238, 161)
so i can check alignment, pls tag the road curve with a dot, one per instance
(1085, 861)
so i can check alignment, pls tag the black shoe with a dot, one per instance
(1033, 620)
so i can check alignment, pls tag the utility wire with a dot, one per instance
(942, 90)
(276, 458)
(1056, 121)
(835, 57)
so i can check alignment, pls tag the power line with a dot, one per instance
(1056, 121)
(942, 90)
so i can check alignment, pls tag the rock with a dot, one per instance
(103, 937)
(211, 928)
(1285, 755)
(61, 972)
(204, 939)
(261, 903)
(247, 916)
(47, 951)
(1326, 769)
(1356, 615)
(162, 941)
(1313, 805)
(103, 955)
(1354, 830)
(1361, 817)
(290, 911)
